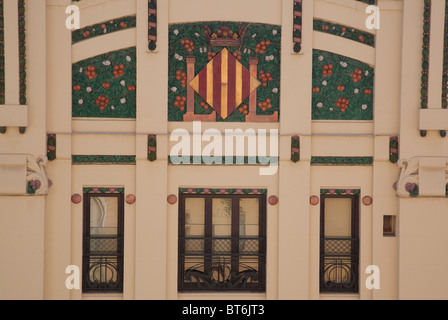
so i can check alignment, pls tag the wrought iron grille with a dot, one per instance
(222, 264)
(339, 262)
(103, 264)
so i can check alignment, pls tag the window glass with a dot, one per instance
(338, 215)
(222, 217)
(103, 216)
(194, 217)
(249, 216)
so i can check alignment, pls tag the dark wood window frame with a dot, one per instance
(237, 278)
(342, 266)
(111, 262)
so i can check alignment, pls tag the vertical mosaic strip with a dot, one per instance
(2, 54)
(393, 150)
(295, 149)
(152, 25)
(445, 66)
(51, 147)
(105, 86)
(445, 62)
(152, 147)
(297, 32)
(425, 57)
(22, 53)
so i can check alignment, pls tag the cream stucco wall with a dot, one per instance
(43, 233)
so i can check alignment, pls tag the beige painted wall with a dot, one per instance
(45, 232)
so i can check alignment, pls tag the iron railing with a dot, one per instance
(103, 264)
(339, 263)
(222, 264)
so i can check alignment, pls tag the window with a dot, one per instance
(222, 242)
(389, 226)
(339, 243)
(103, 242)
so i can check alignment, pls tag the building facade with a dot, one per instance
(205, 149)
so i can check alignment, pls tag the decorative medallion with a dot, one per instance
(76, 198)
(172, 199)
(273, 200)
(314, 200)
(130, 199)
(367, 200)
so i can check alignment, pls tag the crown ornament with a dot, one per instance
(225, 37)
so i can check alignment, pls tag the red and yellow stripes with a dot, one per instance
(224, 83)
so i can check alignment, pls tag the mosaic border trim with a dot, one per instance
(343, 31)
(342, 161)
(369, 2)
(340, 191)
(236, 160)
(104, 28)
(105, 190)
(221, 191)
(103, 160)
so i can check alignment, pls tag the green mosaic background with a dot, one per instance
(118, 89)
(329, 87)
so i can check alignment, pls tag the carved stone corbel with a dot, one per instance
(36, 176)
(423, 176)
(409, 176)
